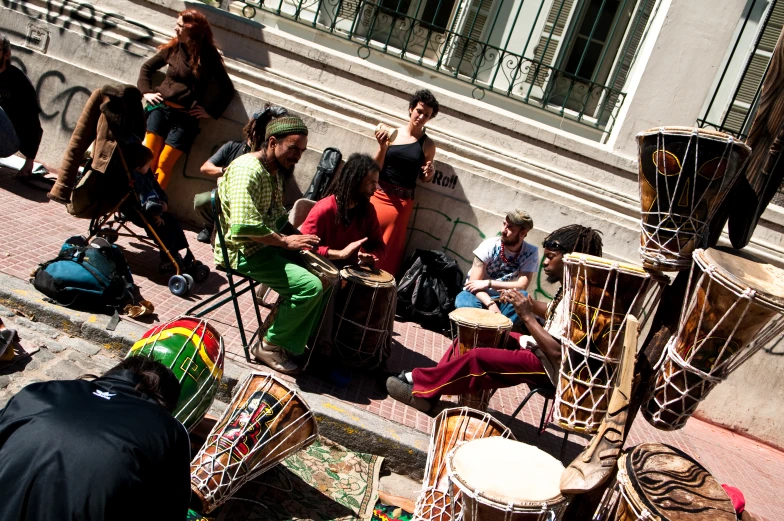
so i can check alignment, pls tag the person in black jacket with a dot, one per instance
(20, 103)
(107, 449)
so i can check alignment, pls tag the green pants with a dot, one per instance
(302, 302)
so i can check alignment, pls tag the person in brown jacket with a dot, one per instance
(112, 118)
(196, 86)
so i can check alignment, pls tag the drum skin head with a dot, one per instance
(674, 486)
(508, 471)
(480, 317)
(368, 276)
(591, 259)
(749, 270)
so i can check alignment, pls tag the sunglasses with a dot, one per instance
(553, 245)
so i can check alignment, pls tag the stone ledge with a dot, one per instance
(404, 449)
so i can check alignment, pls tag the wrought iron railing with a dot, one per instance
(539, 52)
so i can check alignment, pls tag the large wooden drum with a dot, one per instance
(364, 311)
(193, 350)
(599, 294)
(685, 173)
(733, 307)
(505, 480)
(478, 328)
(265, 422)
(438, 500)
(660, 483)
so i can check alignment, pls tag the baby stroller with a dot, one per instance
(115, 223)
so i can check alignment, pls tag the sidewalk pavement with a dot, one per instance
(33, 229)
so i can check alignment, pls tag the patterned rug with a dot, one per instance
(325, 482)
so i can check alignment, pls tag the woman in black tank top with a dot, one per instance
(402, 162)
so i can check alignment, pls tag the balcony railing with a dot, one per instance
(568, 57)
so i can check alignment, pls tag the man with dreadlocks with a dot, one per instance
(533, 359)
(251, 194)
(348, 227)
(217, 164)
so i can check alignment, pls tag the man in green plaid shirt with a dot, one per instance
(251, 195)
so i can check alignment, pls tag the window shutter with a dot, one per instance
(629, 48)
(752, 77)
(550, 41)
(469, 23)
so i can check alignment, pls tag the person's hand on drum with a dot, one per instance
(366, 259)
(475, 286)
(301, 242)
(351, 250)
(522, 303)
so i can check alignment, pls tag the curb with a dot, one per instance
(404, 449)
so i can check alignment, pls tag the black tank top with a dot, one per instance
(403, 163)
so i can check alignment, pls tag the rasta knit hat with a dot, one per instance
(286, 125)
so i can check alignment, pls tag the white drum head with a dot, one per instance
(480, 318)
(507, 471)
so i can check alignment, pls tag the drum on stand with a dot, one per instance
(660, 483)
(194, 351)
(504, 480)
(364, 311)
(685, 173)
(265, 422)
(478, 328)
(598, 295)
(733, 307)
(451, 427)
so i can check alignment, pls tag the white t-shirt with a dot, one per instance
(556, 326)
(524, 261)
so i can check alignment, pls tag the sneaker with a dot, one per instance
(205, 235)
(399, 389)
(275, 357)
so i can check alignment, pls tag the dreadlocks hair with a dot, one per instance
(256, 128)
(346, 186)
(575, 238)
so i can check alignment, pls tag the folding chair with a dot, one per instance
(548, 393)
(243, 284)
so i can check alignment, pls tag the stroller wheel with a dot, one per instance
(200, 272)
(108, 234)
(178, 285)
(189, 279)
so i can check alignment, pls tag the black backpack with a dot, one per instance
(325, 171)
(86, 277)
(426, 293)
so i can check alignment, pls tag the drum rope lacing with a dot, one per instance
(574, 389)
(666, 396)
(431, 484)
(224, 488)
(690, 228)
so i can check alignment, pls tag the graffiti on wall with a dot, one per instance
(423, 222)
(56, 99)
(88, 21)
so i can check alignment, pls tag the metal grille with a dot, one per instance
(517, 49)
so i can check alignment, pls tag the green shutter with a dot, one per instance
(550, 41)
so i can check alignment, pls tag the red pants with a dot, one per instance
(393, 215)
(479, 369)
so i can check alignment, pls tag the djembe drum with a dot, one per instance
(657, 482)
(734, 306)
(193, 350)
(598, 295)
(685, 173)
(451, 427)
(504, 480)
(478, 328)
(265, 422)
(364, 311)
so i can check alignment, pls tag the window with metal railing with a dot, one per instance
(569, 57)
(733, 103)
